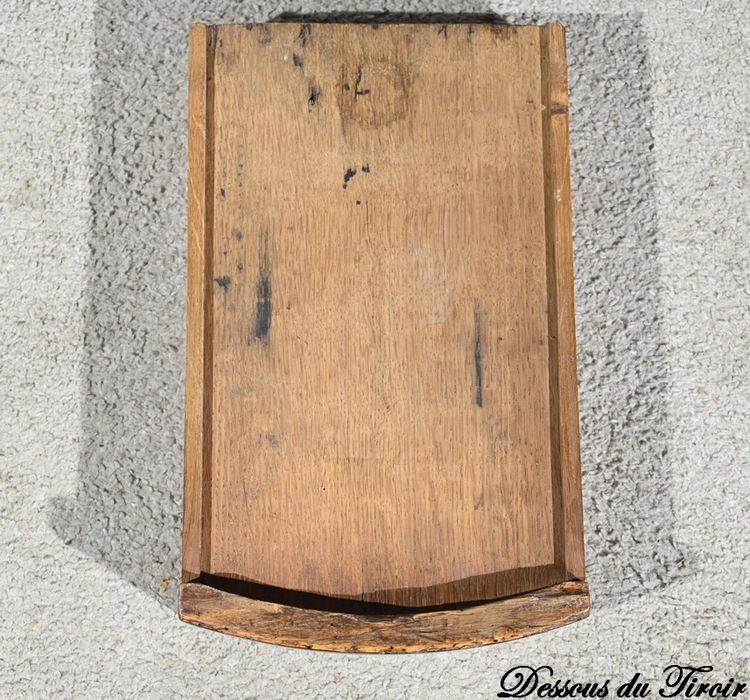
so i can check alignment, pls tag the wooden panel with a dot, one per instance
(381, 388)
(499, 621)
(562, 332)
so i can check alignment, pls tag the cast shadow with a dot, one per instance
(126, 513)
(624, 373)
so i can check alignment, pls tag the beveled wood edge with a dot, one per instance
(197, 355)
(487, 623)
(559, 224)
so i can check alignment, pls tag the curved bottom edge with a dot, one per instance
(486, 623)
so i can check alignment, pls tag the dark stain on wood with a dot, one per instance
(312, 98)
(263, 310)
(264, 37)
(304, 35)
(263, 303)
(388, 80)
(358, 80)
(348, 175)
(478, 354)
(223, 281)
(502, 31)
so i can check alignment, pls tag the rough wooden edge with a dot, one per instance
(487, 623)
(563, 370)
(198, 311)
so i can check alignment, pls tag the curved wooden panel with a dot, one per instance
(486, 623)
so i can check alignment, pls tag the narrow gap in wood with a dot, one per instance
(325, 603)
(465, 591)
(208, 303)
(386, 17)
(552, 310)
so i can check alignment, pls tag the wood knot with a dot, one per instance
(373, 92)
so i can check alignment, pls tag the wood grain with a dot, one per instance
(196, 520)
(381, 391)
(563, 370)
(498, 621)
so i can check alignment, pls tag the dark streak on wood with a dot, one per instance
(313, 97)
(223, 281)
(213, 36)
(358, 80)
(478, 353)
(304, 34)
(502, 31)
(263, 304)
(265, 37)
(297, 60)
(348, 175)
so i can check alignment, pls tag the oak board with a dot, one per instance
(381, 392)
(497, 621)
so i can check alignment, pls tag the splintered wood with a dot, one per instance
(381, 398)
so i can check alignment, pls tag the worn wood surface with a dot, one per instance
(381, 386)
(199, 331)
(497, 621)
(566, 482)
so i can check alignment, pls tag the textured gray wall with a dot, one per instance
(92, 283)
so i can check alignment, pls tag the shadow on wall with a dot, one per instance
(126, 513)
